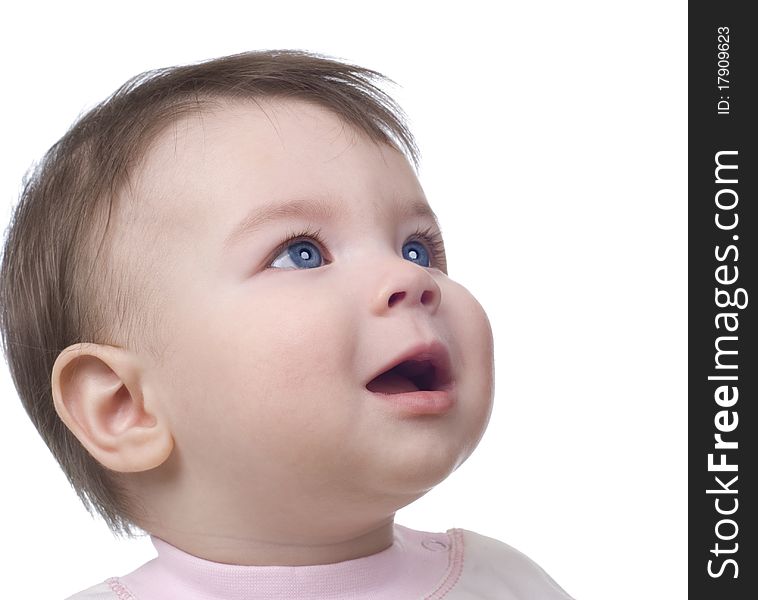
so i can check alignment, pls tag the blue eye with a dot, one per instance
(298, 251)
(301, 254)
(414, 251)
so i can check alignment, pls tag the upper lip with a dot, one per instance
(434, 352)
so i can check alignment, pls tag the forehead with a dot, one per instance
(208, 173)
(256, 136)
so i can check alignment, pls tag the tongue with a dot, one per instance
(391, 383)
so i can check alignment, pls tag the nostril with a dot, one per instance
(427, 297)
(395, 298)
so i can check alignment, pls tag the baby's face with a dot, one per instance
(272, 343)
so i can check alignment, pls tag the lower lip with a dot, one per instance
(421, 403)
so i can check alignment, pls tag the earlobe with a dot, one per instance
(98, 393)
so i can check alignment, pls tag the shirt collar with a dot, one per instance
(413, 566)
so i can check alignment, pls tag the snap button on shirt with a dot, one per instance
(434, 545)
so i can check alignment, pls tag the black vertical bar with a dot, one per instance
(723, 297)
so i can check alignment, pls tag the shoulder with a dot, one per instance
(107, 590)
(490, 565)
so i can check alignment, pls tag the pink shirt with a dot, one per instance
(458, 564)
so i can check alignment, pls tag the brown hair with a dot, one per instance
(59, 284)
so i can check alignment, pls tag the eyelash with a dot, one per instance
(429, 235)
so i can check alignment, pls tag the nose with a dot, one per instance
(409, 285)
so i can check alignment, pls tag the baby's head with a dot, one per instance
(204, 280)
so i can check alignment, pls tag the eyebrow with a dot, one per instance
(317, 209)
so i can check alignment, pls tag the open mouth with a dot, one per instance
(425, 370)
(408, 376)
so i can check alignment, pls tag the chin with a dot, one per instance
(417, 477)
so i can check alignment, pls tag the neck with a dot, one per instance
(303, 549)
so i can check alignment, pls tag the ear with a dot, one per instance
(98, 394)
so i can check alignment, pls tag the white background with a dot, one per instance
(554, 152)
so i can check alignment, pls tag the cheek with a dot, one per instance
(296, 341)
(471, 337)
(470, 329)
(264, 367)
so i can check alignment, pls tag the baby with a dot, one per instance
(226, 309)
